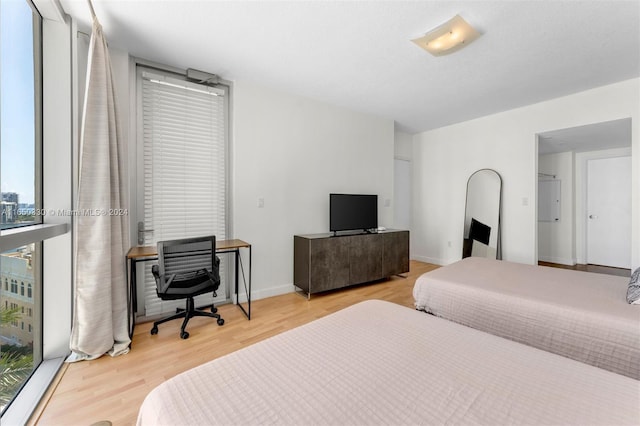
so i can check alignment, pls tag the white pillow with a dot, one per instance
(633, 292)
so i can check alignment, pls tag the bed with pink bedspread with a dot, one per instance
(381, 363)
(579, 315)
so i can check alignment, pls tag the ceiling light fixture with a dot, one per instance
(449, 37)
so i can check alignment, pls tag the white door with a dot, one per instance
(402, 194)
(609, 212)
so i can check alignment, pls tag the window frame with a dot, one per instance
(33, 232)
(41, 230)
(38, 116)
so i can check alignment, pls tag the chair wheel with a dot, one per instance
(220, 321)
(184, 335)
(154, 330)
(214, 309)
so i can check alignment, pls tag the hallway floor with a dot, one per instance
(598, 269)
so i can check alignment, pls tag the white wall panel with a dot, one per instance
(291, 152)
(444, 158)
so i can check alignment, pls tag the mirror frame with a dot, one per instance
(466, 207)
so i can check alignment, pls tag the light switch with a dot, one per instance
(260, 202)
(387, 202)
(525, 201)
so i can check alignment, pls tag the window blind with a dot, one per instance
(184, 170)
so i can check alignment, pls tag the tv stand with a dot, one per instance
(323, 262)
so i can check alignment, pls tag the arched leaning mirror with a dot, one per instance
(481, 237)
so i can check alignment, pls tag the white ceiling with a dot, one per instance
(592, 137)
(358, 54)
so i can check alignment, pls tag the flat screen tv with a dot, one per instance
(348, 212)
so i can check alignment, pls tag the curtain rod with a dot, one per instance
(93, 12)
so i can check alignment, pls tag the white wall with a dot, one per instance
(556, 240)
(293, 152)
(402, 181)
(402, 145)
(444, 158)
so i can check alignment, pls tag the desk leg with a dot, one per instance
(249, 294)
(133, 296)
(238, 260)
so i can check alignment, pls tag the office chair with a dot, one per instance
(187, 268)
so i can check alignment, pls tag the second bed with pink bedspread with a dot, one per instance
(579, 315)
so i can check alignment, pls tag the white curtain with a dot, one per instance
(100, 320)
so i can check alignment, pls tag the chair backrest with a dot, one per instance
(186, 255)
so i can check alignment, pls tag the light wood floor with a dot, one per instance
(113, 388)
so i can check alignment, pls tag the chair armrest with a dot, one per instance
(162, 284)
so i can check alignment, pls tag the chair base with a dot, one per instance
(188, 313)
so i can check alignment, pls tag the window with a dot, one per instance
(19, 340)
(183, 166)
(20, 144)
(29, 293)
(20, 201)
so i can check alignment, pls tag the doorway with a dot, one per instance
(573, 158)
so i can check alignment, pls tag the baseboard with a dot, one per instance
(558, 260)
(269, 292)
(431, 260)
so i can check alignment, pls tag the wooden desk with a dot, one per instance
(147, 253)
